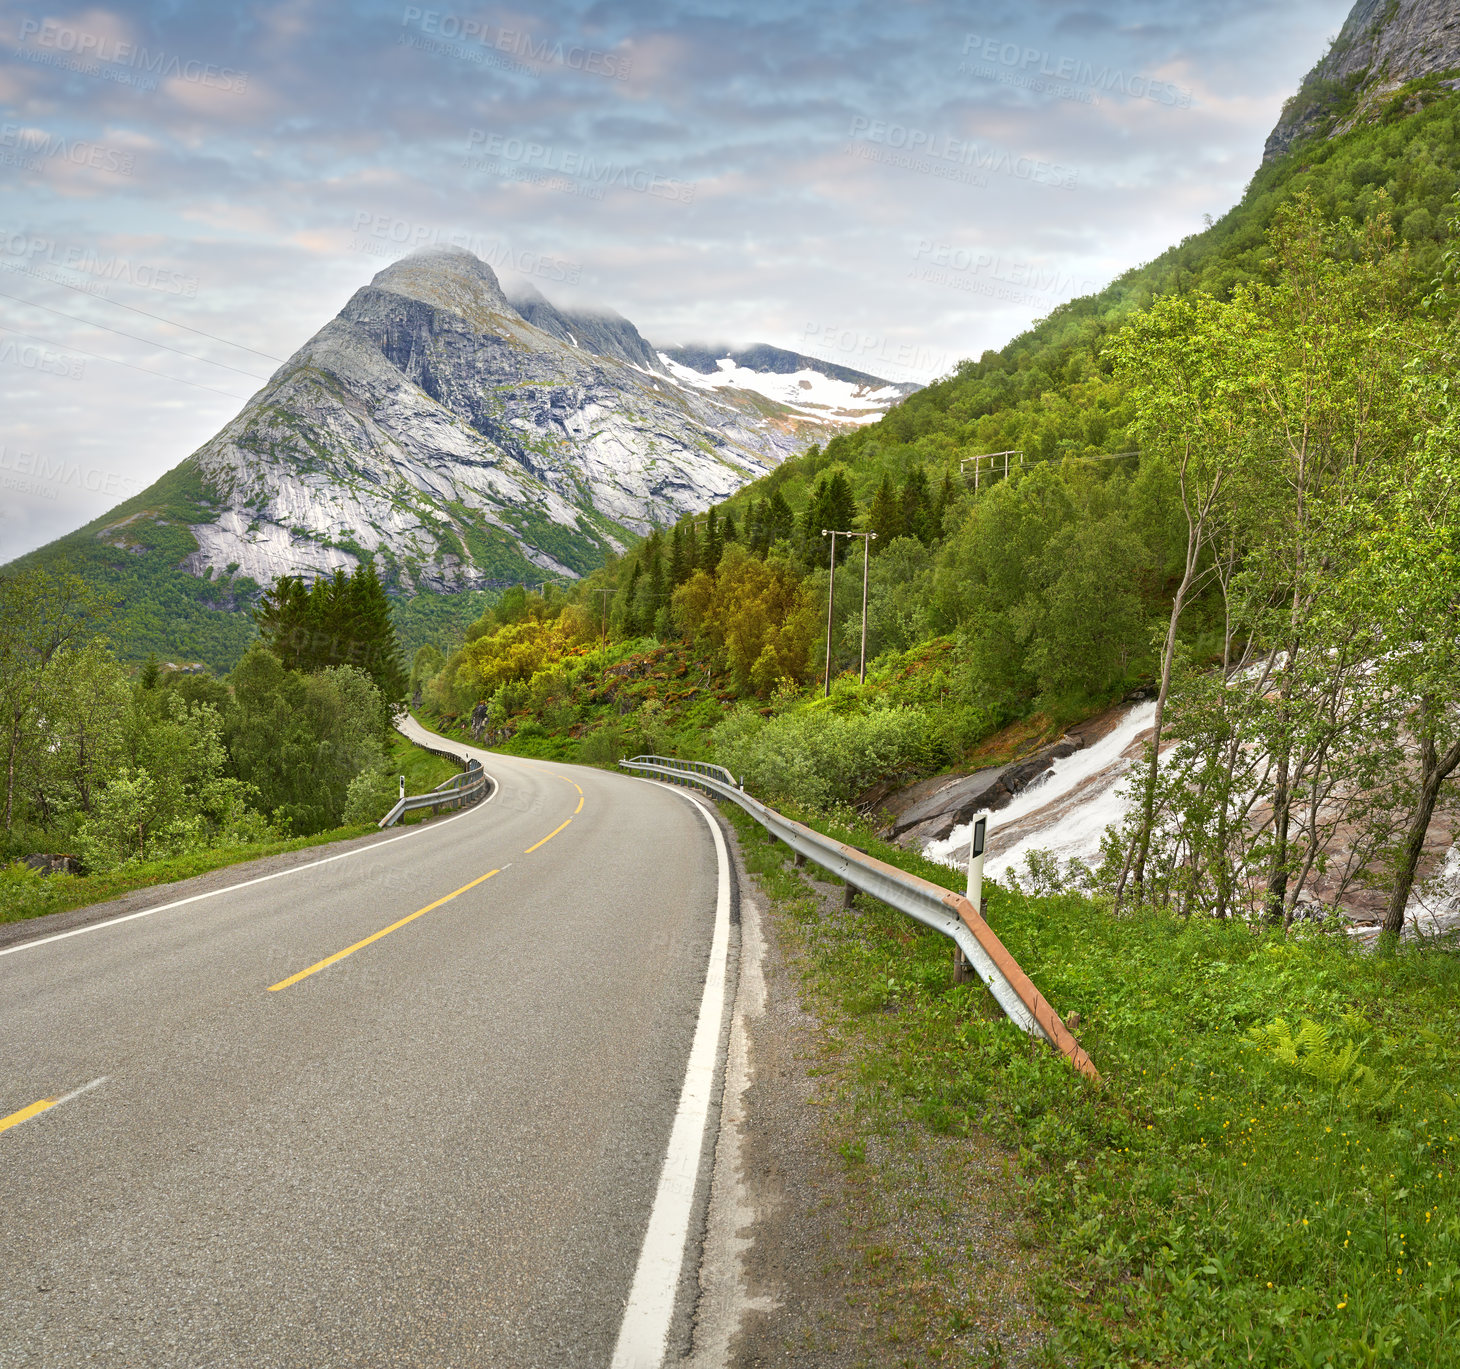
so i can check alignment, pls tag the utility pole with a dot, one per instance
(830, 602)
(605, 593)
(831, 597)
(867, 539)
(987, 456)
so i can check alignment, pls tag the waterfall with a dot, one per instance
(1065, 812)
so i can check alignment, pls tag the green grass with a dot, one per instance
(25, 894)
(423, 770)
(1207, 1202)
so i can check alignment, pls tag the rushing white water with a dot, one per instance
(1066, 812)
(1434, 905)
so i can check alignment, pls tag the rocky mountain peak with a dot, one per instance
(599, 331)
(449, 278)
(1383, 45)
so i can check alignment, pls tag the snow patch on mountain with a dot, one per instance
(808, 391)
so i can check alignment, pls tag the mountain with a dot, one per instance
(1384, 46)
(460, 437)
(808, 385)
(1049, 393)
(457, 437)
(603, 333)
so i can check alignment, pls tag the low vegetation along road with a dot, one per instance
(437, 1101)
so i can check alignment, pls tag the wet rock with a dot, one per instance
(931, 809)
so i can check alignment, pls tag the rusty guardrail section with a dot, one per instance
(936, 907)
(456, 792)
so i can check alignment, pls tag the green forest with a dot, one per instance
(1226, 480)
(144, 774)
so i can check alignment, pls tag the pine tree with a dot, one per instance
(841, 504)
(755, 527)
(714, 544)
(679, 566)
(941, 505)
(813, 519)
(339, 620)
(915, 506)
(653, 557)
(654, 596)
(780, 521)
(282, 620)
(367, 628)
(631, 616)
(885, 516)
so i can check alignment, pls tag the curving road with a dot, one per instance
(441, 1148)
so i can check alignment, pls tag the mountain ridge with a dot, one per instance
(1382, 46)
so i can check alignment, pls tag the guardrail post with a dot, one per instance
(799, 860)
(962, 970)
(849, 894)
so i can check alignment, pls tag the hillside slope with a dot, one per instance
(1049, 394)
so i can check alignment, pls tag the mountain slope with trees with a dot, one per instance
(1089, 565)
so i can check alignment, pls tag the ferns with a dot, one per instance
(1312, 1051)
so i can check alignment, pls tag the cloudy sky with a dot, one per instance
(191, 190)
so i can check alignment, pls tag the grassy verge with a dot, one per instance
(1240, 1188)
(423, 770)
(939, 1270)
(24, 894)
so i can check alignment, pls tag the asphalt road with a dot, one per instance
(441, 1149)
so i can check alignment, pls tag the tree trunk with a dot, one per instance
(1277, 879)
(1282, 798)
(1434, 771)
(1195, 525)
(14, 740)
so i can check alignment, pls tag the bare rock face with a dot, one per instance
(929, 810)
(1382, 45)
(454, 437)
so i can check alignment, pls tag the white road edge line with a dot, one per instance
(76, 1093)
(248, 883)
(644, 1332)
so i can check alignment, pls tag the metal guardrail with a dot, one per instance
(457, 792)
(933, 906)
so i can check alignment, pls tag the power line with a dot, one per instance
(171, 322)
(1027, 464)
(66, 346)
(149, 342)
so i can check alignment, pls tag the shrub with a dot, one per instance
(817, 758)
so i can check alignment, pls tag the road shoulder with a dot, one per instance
(843, 1231)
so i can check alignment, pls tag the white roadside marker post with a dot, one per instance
(977, 837)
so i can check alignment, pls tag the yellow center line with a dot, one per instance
(384, 931)
(579, 808)
(25, 1114)
(546, 839)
